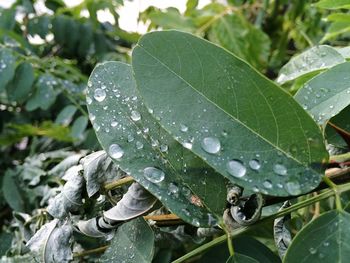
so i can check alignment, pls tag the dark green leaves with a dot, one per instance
(21, 85)
(7, 67)
(239, 36)
(133, 242)
(236, 120)
(141, 147)
(325, 239)
(327, 94)
(11, 191)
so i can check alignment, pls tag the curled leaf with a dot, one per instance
(90, 228)
(281, 232)
(249, 211)
(99, 169)
(69, 200)
(66, 163)
(134, 203)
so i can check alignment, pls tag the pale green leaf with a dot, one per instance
(327, 94)
(333, 4)
(314, 59)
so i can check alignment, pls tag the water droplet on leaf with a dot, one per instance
(99, 95)
(236, 168)
(153, 174)
(115, 151)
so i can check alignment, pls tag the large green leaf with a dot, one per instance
(19, 88)
(136, 142)
(325, 239)
(327, 94)
(7, 67)
(11, 191)
(235, 119)
(133, 242)
(313, 59)
(237, 35)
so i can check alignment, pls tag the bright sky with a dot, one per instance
(128, 13)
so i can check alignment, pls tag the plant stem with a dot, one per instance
(326, 194)
(118, 183)
(91, 251)
(340, 158)
(229, 243)
(334, 187)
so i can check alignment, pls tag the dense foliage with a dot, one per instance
(221, 136)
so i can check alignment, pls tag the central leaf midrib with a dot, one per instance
(206, 98)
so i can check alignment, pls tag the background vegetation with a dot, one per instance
(54, 172)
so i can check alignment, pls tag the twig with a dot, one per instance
(118, 183)
(90, 251)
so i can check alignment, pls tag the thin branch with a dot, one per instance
(90, 251)
(118, 183)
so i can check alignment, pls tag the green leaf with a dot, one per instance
(327, 94)
(78, 127)
(339, 17)
(238, 258)
(65, 116)
(11, 191)
(20, 87)
(239, 122)
(314, 59)
(133, 242)
(5, 244)
(7, 18)
(237, 35)
(39, 25)
(141, 148)
(44, 95)
(341, 120)
(335, 29)
(7, 67)
(325, 239)
(333, 4)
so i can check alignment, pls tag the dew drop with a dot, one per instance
(195, 222)
(254, 164)
(236, 168)
(99, 95)
(164, 148)
(115, 151)
(130, 138)
(187, 145)
(312, 251)
(153, 174)
(293, 188)
(211, 145)
(173, 189)
(280, 169)
(139, 145)
(135, 116)
(114, 123)
(88, 100)
(267, 184)
(183, 128)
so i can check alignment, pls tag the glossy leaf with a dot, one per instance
(236, 120)
(341, 120)
(136, 142)
(239, 36)
(7, 67)
(133, 242)
(315, 59)
(325, 239)
(20, 87)
(78, 127)
(327, 94)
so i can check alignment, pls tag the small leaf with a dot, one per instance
(327, 94)
(7, 65)
(281, 232)
(60, 168)
(325, 239)
(133, 243)
(44, 95)
(5, 244)
(12, 192)
(140, 146)
(65, 116)
(20, 87)
(315, 59)
(78, 127)
(234, 118)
